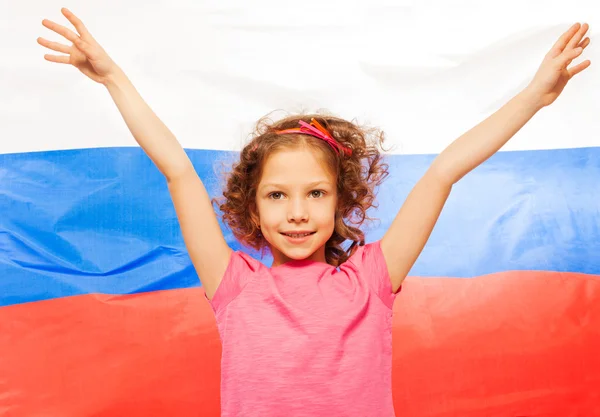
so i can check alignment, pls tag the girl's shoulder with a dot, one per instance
(241, 270)
(369, 263)
(366, 254)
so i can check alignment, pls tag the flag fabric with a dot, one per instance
(101, 311)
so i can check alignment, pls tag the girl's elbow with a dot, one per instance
(442, 175)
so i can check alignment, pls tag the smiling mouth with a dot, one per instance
(298, 235)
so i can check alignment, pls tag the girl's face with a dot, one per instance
(296, 200)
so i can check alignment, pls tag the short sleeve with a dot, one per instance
(371, 265)
(240, 270)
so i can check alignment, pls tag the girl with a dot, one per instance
(311, 335)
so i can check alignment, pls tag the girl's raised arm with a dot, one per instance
(410, 230)
(203, 238)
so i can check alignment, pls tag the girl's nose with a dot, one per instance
(297, 211)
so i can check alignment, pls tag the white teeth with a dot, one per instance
(297, 235)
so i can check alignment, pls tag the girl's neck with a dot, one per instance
(279, 258)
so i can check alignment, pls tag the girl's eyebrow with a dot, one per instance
(309, 185)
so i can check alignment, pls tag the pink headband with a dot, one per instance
(318, 131)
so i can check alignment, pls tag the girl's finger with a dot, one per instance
(578, 36)
(75, 21)
(584, 43)
(61, 59)
(578, 68)
(562, 61)
(569, 55)
(565, 38)
(61, 30)
(55, 46)
(86, 48)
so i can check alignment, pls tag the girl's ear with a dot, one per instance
(338, 211)
(254, 218)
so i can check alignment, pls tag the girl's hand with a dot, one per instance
(554, 74)
(84, 53)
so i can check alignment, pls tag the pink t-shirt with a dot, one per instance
(305, 338)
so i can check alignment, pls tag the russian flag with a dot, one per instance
(101, 311)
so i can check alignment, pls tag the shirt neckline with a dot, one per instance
(297, 263)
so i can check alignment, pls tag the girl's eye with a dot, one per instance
(277, 195)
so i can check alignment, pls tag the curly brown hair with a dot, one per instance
(357, 175)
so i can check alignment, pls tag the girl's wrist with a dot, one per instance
(115, 78)
(533, 98)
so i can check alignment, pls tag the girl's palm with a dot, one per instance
(554, 73)
(85, 53)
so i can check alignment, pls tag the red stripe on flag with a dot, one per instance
(518, 343)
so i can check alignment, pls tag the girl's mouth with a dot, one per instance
(298, 237)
